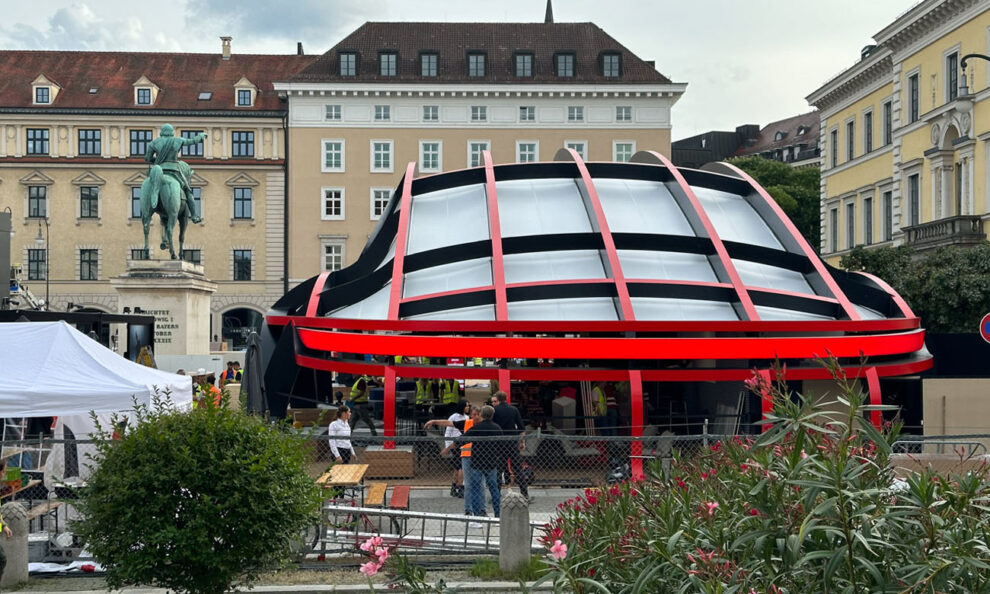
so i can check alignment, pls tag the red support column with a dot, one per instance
(873, 381)
(765, 397)
(401, 237)
(389, 413)
(636, 400)
(504, 383)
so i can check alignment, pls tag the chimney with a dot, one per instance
(299, 49)
(225, 47)
(548, 18)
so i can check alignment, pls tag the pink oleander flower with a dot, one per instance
(382, 555)
(558, 550)
(712, 506)
(370, 568)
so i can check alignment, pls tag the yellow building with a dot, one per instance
(440, 94)
(904, 147)
(73, 131)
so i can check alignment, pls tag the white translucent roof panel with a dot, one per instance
(635, 206)
(868, 314)
(771, 277)
(683, 310)
(371, 308)
(448, 277)
(582, 309)
(476, 313)
(734, 219)
(545, 266)
(774, 313)
(540, 206)
(448, 217)
(666, 266)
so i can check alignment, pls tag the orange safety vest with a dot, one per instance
(466, 448)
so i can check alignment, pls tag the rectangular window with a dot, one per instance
(610, 65)
(527, 113)
(565, 65)
(242, 265)
(333, 204)
(474, 153)
(89, 203)
(952, 76)
(388, 64)
(575, 114)
(428, 65)
(913, 107)
(37, 141)
(429, 155)
(868, 221)
(194, 256)
(888, 123)
(379, 202)
(888, 215)
(333, 155)
(476, 64)
(524, 65)
(348, 64)
(333, 256)
(89, 142)
(139, 142)
(197, 195)
(622, 152)
(192, 150)
(381, 155)
(37, 259)
(244, 97)
(242, 144)
(89, 265)
(479, 113)
(383, 113)
(851, 225)
(42, 95)
(850, 141)
(527, 152)
(868, 132)
(144, 96)
(579, 147)
(623, 113)
(833, 147)
(37, 202)
(332, 113)
(242, 203)
(833, 229)
(431, 113)
(135, 202)
(914, 199)
(139, 254)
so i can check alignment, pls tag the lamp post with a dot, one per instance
(964, 88)
(41, 242)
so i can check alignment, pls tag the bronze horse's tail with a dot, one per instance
(155, 175)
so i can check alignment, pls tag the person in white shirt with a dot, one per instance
(457, 486)
(340, 437)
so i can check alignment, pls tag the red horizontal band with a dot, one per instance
(786, 347)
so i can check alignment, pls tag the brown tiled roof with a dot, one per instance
(499, 41)
(181, 78)
(766, 141)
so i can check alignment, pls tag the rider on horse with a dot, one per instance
(164, 151)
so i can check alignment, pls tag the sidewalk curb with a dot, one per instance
(494, 586)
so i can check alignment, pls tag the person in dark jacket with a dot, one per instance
(508, 418)
(486, 459)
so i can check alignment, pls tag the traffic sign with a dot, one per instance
(985, 327)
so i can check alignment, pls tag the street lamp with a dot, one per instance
(41, 242)
(964, 88)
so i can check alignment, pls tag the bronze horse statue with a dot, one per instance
(170, 206)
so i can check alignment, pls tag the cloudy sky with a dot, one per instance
(745, 61)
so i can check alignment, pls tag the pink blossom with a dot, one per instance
(712, 506)
(366, 545)
(558, 550)
(382, 555)
(370, 568)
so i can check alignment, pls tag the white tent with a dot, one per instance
(50, 369)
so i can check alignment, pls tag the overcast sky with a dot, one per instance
(745, 61)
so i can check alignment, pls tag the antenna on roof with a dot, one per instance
(549, 16)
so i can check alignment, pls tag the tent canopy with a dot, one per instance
(52, 369)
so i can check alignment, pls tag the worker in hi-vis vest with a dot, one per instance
(360, 405)
(449, 395)
(424, 393)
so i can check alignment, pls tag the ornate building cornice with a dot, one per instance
(865, 74)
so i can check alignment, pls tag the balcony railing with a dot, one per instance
(963, 229)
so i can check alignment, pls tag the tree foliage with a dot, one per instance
(948, 288)
(196, 501)
(797, 191)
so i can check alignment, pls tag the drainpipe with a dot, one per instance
(285, 201)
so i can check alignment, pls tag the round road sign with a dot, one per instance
(985, 327)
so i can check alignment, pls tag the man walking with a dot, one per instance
(485, 460)
(360, 405)
(507, 417)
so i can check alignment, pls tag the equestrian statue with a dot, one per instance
(166, 190)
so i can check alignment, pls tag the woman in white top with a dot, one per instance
(457, 485)
(340, 437)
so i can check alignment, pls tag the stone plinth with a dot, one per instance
(178, 294)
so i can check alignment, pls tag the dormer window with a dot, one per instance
(780, 135)
(42, 95)
(476, 64)
(388, 63)
(44, 90)
(564, 65)
(143, 96)
(611, 65)
(244, 98)
(348, 64)
(245, 93)
(145, 92)
(802, 130)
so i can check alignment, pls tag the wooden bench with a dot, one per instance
(399, 501)
(43, 509)
(375, 496)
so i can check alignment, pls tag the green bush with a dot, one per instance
(196, 501)
(811, 505)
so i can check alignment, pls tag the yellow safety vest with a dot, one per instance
(398, 359)
(449, 391)
(356, 394)
(466, 447)
(600, 406)
(423, 392)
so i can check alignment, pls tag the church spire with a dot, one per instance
(549, 17)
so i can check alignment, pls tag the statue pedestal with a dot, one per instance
(178, 294)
